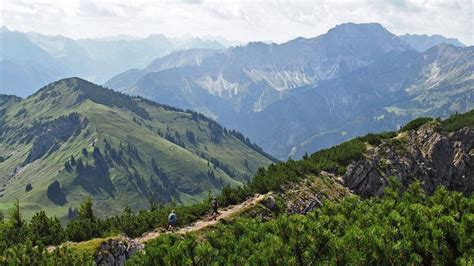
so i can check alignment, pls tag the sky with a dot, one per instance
(265, 20)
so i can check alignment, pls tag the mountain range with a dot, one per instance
(30, 60)
(74, 139)
(291, 98)
(308, 94)
(98, 59)
(24, 65)
(424, 42)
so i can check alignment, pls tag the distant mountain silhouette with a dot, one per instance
(308, 94)
(424, 42)
(31, 60)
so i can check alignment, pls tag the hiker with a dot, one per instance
(215, 207)
(172, 219)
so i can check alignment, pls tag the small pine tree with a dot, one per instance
(17, 229)
(305, 156)
(153, 204)
(85, 210)
(73, 160)
(85, 225)
(55, 193)
(44, 230)
(85, 152)
(96, 152)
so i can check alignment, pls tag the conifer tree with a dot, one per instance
(73, 160)
(85, 210)
(45, 230)
(85, 152)
(16, 226)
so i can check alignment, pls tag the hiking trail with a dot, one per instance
(207, 221)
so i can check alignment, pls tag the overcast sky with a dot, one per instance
(235, 20)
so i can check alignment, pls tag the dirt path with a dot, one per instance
(206, 222)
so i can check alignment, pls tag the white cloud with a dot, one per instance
(242, 20)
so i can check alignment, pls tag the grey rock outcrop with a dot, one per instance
(270, 203)
(116, 251)
(429, 155)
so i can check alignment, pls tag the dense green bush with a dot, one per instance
(44, 230)
(458, 121)
(399, 229)
(338, 157)
(415, 124)
(23, 243)
(27, 254)
(85, 226)
(333, 160)
(376, 139)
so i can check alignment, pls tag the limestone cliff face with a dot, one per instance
(427, 154)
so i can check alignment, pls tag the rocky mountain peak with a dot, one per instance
(353, 28)
(365, 36)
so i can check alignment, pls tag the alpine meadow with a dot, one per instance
(236, 132)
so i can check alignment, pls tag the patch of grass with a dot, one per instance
(87, 247)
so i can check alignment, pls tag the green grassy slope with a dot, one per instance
(136, 149)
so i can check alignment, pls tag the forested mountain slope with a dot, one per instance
(74, 139)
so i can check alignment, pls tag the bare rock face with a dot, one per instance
(427, 154)
(270, 203)
(116, 251)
